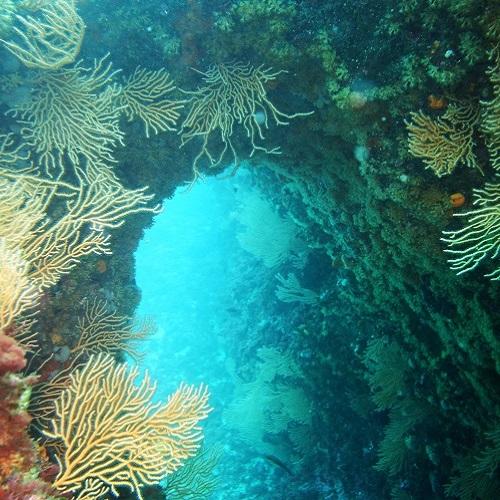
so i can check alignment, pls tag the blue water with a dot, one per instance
(183, 267)
(190, 269)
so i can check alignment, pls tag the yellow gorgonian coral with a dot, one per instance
(11, 154)
(491, 122)
(447, 141)
(113, 435)
(72, 115)
(50, 37)
(53, 247)
(17, 294)
(36, 249)
(479, 239)
(143, 96)
(232, 95)
(102, 330)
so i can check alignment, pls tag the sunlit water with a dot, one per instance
(183, 266)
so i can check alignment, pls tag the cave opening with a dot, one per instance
(227, 280)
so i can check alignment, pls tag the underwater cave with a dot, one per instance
(249, 249)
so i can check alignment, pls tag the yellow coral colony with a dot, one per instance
(50, 37)
(36, 250)
(447, 141)
(480, 238)
(143, 96)
(113, 435)
(17, 294)
(53, 247)
(232, 94)
(491, 120)
(101, 330)
(71, 112)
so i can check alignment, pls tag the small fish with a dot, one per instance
(232, 310)
(278, 462)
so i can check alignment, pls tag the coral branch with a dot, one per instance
(143, 96)
(105, 331)
(52, 248)
(447, 141)
(50, 39)
(72, 112)
(290, 290)
(10, 156)
(232, 95)
(491, 122)
(480, 238)
(112, 433)
(17, 293)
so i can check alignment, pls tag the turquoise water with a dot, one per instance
(184, 271)
(190, 271)
(302, 196)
